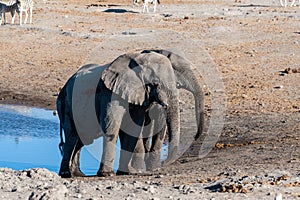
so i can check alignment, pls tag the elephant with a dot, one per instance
(126, 89)
(185, 79)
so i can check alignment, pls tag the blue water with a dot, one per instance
(29, 138)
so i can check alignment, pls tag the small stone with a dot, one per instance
(278, 87)
(181, 187)
(151, 189)
(243, 190)
(109, 187)
(278, 196)
(244, 96)
(131, 195)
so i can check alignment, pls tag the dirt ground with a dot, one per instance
(254, 46)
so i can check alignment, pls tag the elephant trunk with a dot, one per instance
(186, 79)
(199, 107)
(173, 125)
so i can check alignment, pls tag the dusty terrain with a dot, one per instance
(254, 46)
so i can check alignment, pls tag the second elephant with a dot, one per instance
(186, 79)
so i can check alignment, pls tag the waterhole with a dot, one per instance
(29, 138)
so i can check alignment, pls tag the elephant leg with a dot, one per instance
(153, 158)
(143, 146)
(147, 134)
(75, 161)
(157, 133)
(129, 142)
(68, 149)
(110, 119)
(137, 161)
(147, 147)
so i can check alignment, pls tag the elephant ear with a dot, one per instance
(123, 77)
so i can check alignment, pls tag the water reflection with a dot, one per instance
(29, 138)
(20, 121)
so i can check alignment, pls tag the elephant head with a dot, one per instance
(142, 78)
(186, 79)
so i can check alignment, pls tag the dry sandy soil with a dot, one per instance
(253, 45)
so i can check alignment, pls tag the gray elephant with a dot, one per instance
(125, 91)
(185, 79)
(150, 152)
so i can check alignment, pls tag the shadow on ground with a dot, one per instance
(119, 11)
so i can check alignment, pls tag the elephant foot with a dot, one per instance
(138, 165)
(153, 163)
(105, 174)
(129, 171)
(167, 162)
(65, 174)
(143, 173)
(78, 173)
(172, 157)
(153, 168)
(124, 173)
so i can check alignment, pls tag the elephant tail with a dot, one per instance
(61, 144)
(60, 104)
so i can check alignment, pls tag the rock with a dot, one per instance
(278, 196)
(278, 87)
(109, 187)
(131, 195)
(151, 189)
(244, 96)
(57, 193)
